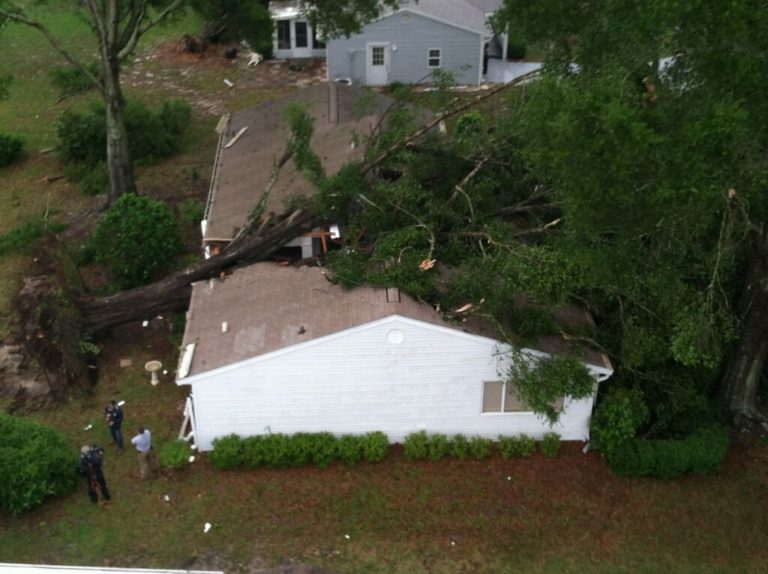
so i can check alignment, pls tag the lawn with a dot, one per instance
(567, 514)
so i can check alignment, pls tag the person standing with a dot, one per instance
(115, 421)
(91, 469)
(143, 444)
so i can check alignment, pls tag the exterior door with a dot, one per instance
(301, 38)
(377, 65)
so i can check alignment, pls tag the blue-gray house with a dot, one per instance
(409, 44)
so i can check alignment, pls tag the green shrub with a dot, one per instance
(618, 416)
(70, 80)
(93, 179)
(227, 452)
(22, 238)
(324, 449)
(375, 446)
(35, 462)
(459, 447)
(550, 444)
(516, 48)
(699, 453)
(191, 211)
(174, 454)
(481, 448)
(516, 446)
(350, 448)
(280, 453)
(415, 445)
(10, 148)
(438, 446)
(136, 238)
(151, 136)
(254, 452)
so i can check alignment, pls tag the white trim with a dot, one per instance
(439, 58)
(369, 47)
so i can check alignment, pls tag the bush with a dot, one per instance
(93, 180)
(151, 135)
(375, 446)
(22, 238)
(227, 452)
(324, 450)
(415, 445)
(137, 237)
(550, 444)
(254, 454)
(191, 211)
(437, 446)
(459, 447)
(618, 416)
(174, 454)
(481, 448)
(70, 80)
(349, 448)
(35, 462)
(516, 446)
(516, 49)
(699, 453)
(10, 148)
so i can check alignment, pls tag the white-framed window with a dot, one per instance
(377, 55)
(434, 56)
(501, 397)
(283, 34)
(302, 34)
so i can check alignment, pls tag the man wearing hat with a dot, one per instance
(91, 469)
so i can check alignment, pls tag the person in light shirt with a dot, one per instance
(143, 444)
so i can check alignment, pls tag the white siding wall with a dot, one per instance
(412, 36)
(358, 382)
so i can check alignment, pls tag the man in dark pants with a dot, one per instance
(115, 422)
(90, 468)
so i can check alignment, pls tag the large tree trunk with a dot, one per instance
(119, 167)
(742, 378)
(172, 293)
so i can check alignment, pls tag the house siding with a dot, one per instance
(359, 382)
(410, 38)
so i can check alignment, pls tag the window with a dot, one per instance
(499, 397)
(377, 56)
(283, 34)
(302, 37)
(317, 44)
(433, 58)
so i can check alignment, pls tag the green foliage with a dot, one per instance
(550, 444)
(69, 80)
(152, 135)
(617, 418)
(22, 238)
(459, 447)
(350, 448)
(174, 454)
(227, 452)
(516, 446)
(699, 453)
(375, 446)
(516, 48)
(541, 382)
(438, 446)
(247, 21)
(480, 448)
(93, 179)
(302, 126)
(191, 211)
(136, 238)
(415, 445)
(10, 148)
(36, 462)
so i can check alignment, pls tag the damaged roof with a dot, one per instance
(266, 307)
(242, 171)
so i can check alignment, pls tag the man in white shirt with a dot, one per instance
(143, 444)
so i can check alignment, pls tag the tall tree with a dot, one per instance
(651, 131)
(117, 25)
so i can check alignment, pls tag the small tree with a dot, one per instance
(35, 462)
(137, 237)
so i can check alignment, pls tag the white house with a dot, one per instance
(294, 37)
(277, 349)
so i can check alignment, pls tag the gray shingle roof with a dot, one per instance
(460, 13)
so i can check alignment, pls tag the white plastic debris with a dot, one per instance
(453, 543)
(229, 83)
(121, 403)
(206, 528)
(160, 317)
(165, 371)
(167, 498)
(144, 323)
(347, 536)
(88, 427)
(192, 458)
(193, 446)
(509, 478)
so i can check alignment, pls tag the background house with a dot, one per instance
(294, 37)
(409, 44)
(273, 349)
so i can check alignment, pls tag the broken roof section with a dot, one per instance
(242, 171)
(268, 307)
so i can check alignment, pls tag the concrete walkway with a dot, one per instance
(501, 72)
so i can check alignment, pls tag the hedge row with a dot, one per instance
(420, 445)
(301, 449)
(698, 453)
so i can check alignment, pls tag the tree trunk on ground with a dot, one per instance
(172, 293)
(119, 167)
(742, 378)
